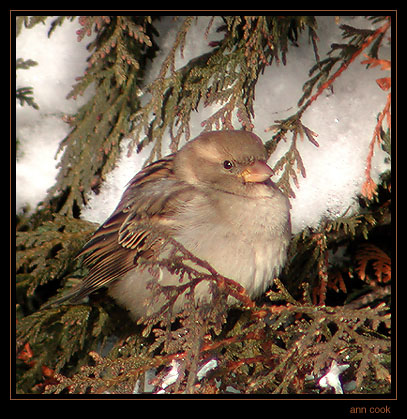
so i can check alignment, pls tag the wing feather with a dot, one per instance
(148, 204)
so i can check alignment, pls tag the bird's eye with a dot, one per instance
(227, 164)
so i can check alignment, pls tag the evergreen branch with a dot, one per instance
(226, 76)
(25, 96)
(347, 339)
(369, 187)
(46, 254)
(25, 65)
(281, 345)
(381, 263)
(368, 37)
(28, 22)
(292, 157)
(90, 150)
(360, 41)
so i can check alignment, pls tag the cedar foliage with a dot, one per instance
(322, 309)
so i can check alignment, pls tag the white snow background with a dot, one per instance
(343, 119)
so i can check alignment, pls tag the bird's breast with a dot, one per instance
(243, 239)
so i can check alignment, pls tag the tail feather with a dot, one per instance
(73, 297)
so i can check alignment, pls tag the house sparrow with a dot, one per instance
(214, 197)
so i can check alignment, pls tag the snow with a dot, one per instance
(102, 205)
(344, 119)
(60, 60)
(331, 378)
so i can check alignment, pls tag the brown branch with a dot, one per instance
(346, 64)
(369, 187)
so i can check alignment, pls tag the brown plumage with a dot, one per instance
(215, 197)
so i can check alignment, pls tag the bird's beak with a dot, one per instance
(259, 171)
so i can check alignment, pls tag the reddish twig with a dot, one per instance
(346, 64)
(369, 186)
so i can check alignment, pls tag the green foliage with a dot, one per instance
(342, 54)
(227, 75)
(28, 22)
(25, 94)
(57, 337)
(270, 349)
(119, 52)
(335, 301)
(106, 375)
(25, 65)
(322, 75)
(282, 345)
(47, 254)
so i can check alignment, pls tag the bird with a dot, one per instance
(214, 196)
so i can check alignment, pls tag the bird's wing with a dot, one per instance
(147, 206)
